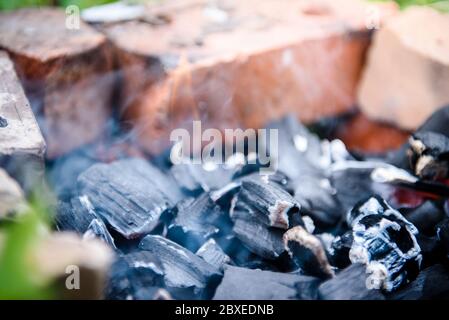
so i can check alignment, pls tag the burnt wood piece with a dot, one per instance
(266, 202)
(319, 201)
(74, 215)
(307, 252)
(349, 284)
(436, 123)
(248, 284)
(426, 216)
(129, 195)
(196, 220)
(260, 239)
(66, 72)
(339, 251)
(429, 155)
(212, 253)
(431, 283)
(132, 272)
(386, 242)
(186, 275)
(22, 146)
(97, 229)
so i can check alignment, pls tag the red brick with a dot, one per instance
(65, 74)
(270, 58)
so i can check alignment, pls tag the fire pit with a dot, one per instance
(188, 189)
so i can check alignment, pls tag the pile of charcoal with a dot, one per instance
(328, 224)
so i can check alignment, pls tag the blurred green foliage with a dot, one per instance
(442, 5)
(19, 279)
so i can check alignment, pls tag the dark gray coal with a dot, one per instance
(326, 225)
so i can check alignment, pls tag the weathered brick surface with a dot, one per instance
(407, 74)
(240, 64)
(22, 146)
(65, 73)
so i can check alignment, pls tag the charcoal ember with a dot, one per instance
(197, 178)
(224, 195)
(431, 250)
(266, 202)
(264, 285)
(260, 239)
(129, 195)
(213, 254)
(339, 250)
(196, 220)
(132, 272)
(97, 229)
(350, 284)
(186, 275)
(296, 145)
(426, 216)
(64, 171)
(307, 252)
(431, 283)
(429, 155)
(74, 215)
(317, 198)
(386, 242)
(352, 182)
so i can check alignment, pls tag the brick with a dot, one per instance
(22, 146)
(66, 74)
(407, 74)
(241, 64)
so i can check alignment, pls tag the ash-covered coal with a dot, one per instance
(326, 225)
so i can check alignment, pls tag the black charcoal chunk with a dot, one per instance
(196, 220)
(431, 283)
(437, 122)
(352, 182)
(97, 229)
(426, 217)
(196, 178)
(132, 272)
(213, 254)
(429, 155)
(247, 284)
(318, 199)
(339, 250)
(307, 252)
(186, 275)
(386, 242)
(352, 283)
(260, 239)
(266, 202)
(74, 216)
(130, 195)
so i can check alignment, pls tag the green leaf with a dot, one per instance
(18, 277)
